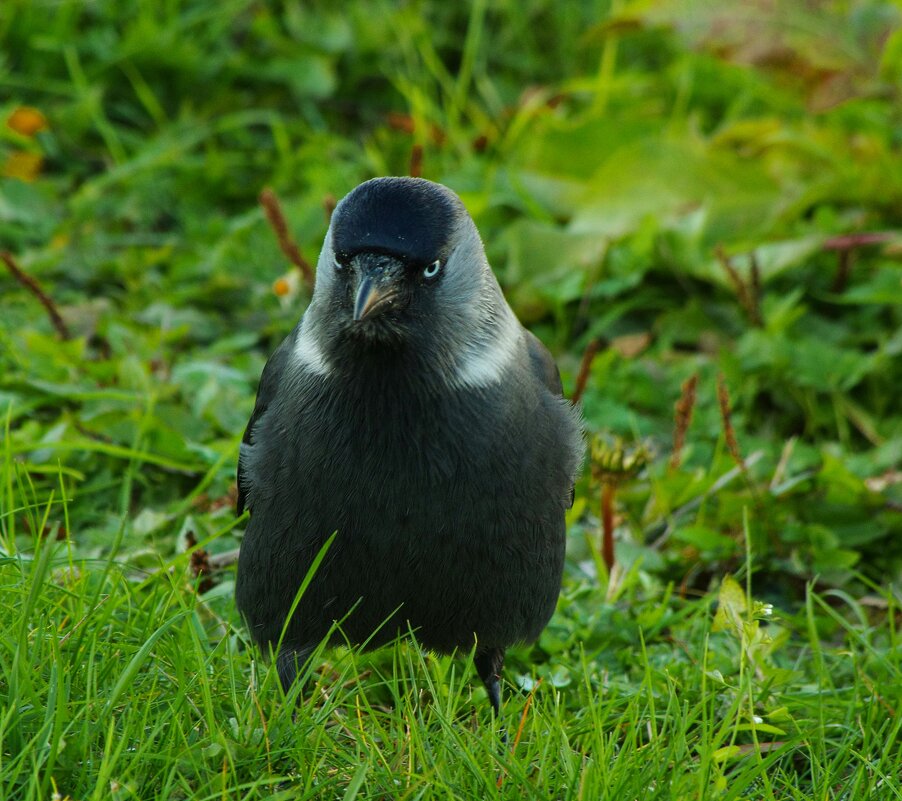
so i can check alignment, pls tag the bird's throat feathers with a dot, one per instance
(479, 360)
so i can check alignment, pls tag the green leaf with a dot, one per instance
(731, 607)
(668, 178)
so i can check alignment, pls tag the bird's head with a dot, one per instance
(403, 267)
(399, 250)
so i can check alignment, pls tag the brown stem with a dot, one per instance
(755, 291)
(848, 241)
(329, 204)
(34, 287)
(682, 418)
(519, 733)
(746, 293)
(276, 219)
(843, 271)
(726, 416)
(400, 122)
(608, 491)
(582, 377)
(845, 246)
(416, 162)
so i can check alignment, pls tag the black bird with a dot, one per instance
(411, 413)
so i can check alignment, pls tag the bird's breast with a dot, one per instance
(450, 506)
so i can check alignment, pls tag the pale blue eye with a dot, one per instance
(432, 270)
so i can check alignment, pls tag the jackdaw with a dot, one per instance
(410, 414)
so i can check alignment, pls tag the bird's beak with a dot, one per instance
(377, 289)
(372, 297)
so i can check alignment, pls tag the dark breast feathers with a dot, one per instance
(447, 518)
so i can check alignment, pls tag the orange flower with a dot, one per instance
(27, 121)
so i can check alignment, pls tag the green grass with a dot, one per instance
(128, 684)
(706, 190)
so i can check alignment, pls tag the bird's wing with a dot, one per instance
(266, 393)
(545, 369)
(543, 365)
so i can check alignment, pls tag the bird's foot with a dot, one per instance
(489, 664)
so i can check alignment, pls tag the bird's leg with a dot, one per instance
(489, 663)
(289, 663)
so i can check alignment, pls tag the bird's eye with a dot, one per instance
(432, 270)
(336, 262)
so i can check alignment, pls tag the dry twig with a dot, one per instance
(34, 287)
(276, 219)
(726, 416)
(845, 247)
(582, 377)
(607, 524)
(682, 418)
(748, 293)
(519, 733)
(416, 161)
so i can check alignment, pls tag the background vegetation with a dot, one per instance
(712, 192)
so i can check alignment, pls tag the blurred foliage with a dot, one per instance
(705, 188)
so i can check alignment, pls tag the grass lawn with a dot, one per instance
(706, 196)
